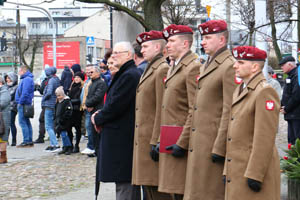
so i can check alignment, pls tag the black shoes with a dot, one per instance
(25, 145)
(39, 141)
(76, 149)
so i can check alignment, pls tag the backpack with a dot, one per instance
(43, 85)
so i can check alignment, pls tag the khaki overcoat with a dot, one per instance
(209, 128)
(147, 121)
(178, 96)
(251, 151)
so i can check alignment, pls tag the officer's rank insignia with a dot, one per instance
(238, 80)
(270, 105)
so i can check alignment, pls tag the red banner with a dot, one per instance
(67, 53)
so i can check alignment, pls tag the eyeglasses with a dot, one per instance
(118, 52)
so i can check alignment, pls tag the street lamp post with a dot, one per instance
(45, 12)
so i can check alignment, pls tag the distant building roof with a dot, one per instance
(36, 19)
(9, 24)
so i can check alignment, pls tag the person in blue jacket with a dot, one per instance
(24, 96)
(48, 102)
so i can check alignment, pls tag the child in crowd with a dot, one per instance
(63, 114)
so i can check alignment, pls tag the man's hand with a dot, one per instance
(90, 109)
(254, 185)
(177, 151)
(97, 128)
(217, 159)
(282, 110)
(154, 153)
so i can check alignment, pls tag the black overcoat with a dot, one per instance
(117, 120)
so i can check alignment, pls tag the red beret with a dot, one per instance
(174, 29)
(147, 36)
(212, 27)
(249, 53)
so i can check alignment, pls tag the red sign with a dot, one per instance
(67, 53)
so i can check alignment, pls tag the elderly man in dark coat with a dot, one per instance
(116, 121)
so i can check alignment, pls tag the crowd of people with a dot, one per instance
(159, 119)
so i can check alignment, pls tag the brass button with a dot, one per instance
(193, 129)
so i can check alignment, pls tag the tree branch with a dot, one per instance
(118, 6)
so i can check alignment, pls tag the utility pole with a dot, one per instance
(228, 19)
(18, 37)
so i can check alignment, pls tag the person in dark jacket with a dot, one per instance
(74, 95)
(48, 102)
(290, 101)
(11, 80)
(95, 98)
(63, 114)
(66, 79)
(24, 96)
(116, 119)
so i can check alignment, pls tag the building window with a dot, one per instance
(36, 25)
(91, 50)
(99, 52)
(55, 13)
(64, 25)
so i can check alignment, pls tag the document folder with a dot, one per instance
(168, 136)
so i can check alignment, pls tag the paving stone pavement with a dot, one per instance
(33, 174)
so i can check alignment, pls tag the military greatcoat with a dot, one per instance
(178, 96)
(209, 128)
(251, 151)
(147, 121)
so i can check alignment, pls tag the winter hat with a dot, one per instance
(60, 91)
(80, 74)
(76, 68)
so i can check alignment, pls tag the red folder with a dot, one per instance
(168, 136)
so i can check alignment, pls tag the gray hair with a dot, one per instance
(96, 68)
(127, 46)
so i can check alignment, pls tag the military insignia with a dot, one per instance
(238, 80)
(270, 105)
(165, 79)
(235, 53)
(250, 55)
(200, 29)
(171, 31)
(197, 78)
(139, 39)
(166, 33)
(206, 30)
(214, 29)
(242, 54)
(176, 31)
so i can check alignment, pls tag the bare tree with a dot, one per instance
(29, 47)
(245, 9)
(179, 11)
(152, 18)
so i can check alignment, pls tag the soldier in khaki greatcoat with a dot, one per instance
(180, 85)
(149, 95)
(210, 116)
(252, 166)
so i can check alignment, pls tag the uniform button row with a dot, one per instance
(229, 139)
(228, 180)
(229, 159)
(193, 129)
(191, 150)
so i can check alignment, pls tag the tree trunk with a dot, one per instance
(251, 38)
(152, 12)
(274, 31)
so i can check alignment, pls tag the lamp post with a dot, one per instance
(45, 12)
